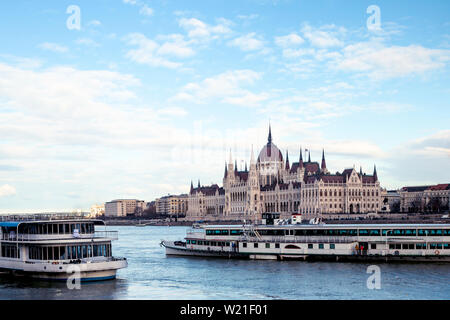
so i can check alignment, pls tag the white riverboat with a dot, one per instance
(55, 248)
(338, 242)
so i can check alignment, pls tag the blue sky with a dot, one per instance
(149, 95)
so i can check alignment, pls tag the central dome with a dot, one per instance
(270, 152)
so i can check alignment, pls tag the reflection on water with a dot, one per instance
(152, 275)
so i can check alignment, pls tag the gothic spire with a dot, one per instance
(324, 165)
(309, 155)
(287, 160)
(269, 139)
(192, 187)
(375, 172)
(300, 162)
(199, 183)
(226, 170)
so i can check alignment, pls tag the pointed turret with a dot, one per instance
(324, 165)
(192, 188)
(287, 161)
(360, 171)
(269, 139)
(226, 170)
(375, 173)
(300, 162)
(235, 166)
(252, 158)
(245, 167)
(309, 155)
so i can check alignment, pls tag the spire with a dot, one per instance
(375, 172)
(226, 170)
(231, 160)
(246, 167)
(252, 158)
(287, 160)
(192, 188)
(324, 165)
(199, 183)
(300, 162)
(235, 166)
(269, 139)
(309, 155)
(360, 170)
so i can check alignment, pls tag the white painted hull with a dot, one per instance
(94, 271)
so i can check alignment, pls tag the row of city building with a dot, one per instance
(171, 205)
(273, 184)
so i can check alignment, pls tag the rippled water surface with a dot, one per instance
(152, 275)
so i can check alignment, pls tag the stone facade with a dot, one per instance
(174, 205)
(273, 184)
(434, 198)
(124, 207)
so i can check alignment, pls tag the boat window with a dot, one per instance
(235, 232)
(374, 232)
(320, 245)
(255, 245)
(332, 246)
(310, 246)
(83, 228)
(420, 246)
(277, 245)
(446, 246)
(193, 241)
(373, 246)
(244, 245)
(291, 246)
(267, 245)
(55, 229)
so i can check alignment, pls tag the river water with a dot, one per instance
(153, 275)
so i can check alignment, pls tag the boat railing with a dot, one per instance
(298, 239)
(109, 235)
(43, 216)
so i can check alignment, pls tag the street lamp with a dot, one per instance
(386, 238)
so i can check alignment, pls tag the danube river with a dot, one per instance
(152, 275)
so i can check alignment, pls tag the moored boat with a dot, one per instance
(340, 242)
(58, 249)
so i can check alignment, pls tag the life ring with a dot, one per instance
(436, 252)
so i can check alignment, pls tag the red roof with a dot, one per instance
(440, 187)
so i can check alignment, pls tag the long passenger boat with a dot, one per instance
(53, 249)
(338, 242)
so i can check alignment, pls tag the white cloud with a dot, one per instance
(200, 30)
(146, 11)
(53, 47)
(6, 190)
(289, 40)
(379, 61)
(227, 87)
(323, 37)
(151, 53)
(248, 42)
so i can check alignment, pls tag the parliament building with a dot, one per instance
(271, 184)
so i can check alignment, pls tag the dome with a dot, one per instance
(270, 152)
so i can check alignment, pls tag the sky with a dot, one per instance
(107, 99)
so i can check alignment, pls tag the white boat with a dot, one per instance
(339, 242)
(58, 249)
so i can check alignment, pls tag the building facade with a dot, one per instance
(97, 210)
(273, 184)
(174, 205)
(435, 198)
(124, 207)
